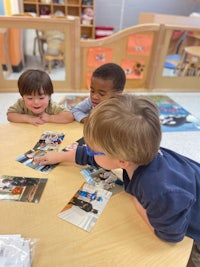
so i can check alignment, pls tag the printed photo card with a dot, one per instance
(85, 207)
(48, 141)
(102, 178)
(24, 189)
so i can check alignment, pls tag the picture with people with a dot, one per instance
(102, 178)
(48, 141)
(85, 207)
(24, 189)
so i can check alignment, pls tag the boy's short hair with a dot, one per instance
(125, 127)
(34, 81)
(113, 72)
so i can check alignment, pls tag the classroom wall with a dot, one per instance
(121, 14)
(2, 8)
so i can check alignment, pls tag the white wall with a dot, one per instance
(121, 14)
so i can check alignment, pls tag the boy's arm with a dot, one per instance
(81, 110)
(24, 118)
(83, 120)
(142, 212)
(56, 157)
(55, 113)
(78, 156)
(19, 113)
(62, 117)
(169, 214)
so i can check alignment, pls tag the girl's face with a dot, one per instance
(100, 90)
(36, 103)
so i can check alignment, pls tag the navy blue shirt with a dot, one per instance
(169, 189)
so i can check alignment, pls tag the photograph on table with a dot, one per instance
(102, 178)
(24, 189)
(49, 141)
(85, 207)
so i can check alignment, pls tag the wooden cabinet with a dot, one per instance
(66, 7)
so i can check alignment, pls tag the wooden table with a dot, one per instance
(119, 238)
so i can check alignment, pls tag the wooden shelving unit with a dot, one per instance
(67, 7)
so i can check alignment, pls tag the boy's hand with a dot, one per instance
(62, 117)
(45, 117)
(35, 120)
(49, 158)
(56, 157)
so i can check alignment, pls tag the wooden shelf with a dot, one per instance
(67, 7)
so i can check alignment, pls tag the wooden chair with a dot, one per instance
(55, 49)
(39, 41)
(48, 59)
(190, 62)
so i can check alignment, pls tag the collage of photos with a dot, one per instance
(99, 177)
(102, 178)
(24, 189)
(49, 141)
(85, 207)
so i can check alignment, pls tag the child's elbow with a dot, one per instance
(9, 116)
(69, 117)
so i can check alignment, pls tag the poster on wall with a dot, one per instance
(98, 56)
(139, 44)
(134, 69)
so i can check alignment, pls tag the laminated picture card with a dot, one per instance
(85, 207)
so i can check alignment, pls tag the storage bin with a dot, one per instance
(103, 31)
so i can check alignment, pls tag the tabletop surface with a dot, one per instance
(119, 237)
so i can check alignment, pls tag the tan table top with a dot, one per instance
(119, 237)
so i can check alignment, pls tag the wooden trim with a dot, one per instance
(168, 19)
(76, 53)
(71, 30)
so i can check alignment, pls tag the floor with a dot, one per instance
(186, 143)
(57, 73)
